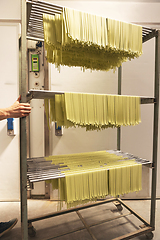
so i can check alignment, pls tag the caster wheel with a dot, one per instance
(119, 208)
(149, 235)
(31, 231)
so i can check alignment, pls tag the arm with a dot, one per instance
(17, 110)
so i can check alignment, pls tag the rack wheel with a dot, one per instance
(31, 230)
(118, 205)
(149, 235)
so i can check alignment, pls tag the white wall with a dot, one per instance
(9, 91)
(10, 10)
(9, 145)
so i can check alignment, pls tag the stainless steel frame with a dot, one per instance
(33, 21)
(155, 130)
(146, 228)
(23, 138)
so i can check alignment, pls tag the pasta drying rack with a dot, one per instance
(38, 170)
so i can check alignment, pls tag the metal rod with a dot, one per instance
(90, 225)
(119, 80)
(155, 130)
(119, 93)
(45, 4)
(71, 210)
(86, 226)
(149, 36)
(135, 234)
(132, 211)
(23, 138)
(41, 94)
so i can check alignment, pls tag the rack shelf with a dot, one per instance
(40, 170)
(41, 94)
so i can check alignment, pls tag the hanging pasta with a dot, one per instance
(93, 111)
(76, 38)
(93, 175)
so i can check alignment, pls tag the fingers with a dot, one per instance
(25, 105)
(24, 114)
(19, 98)
(25, 108)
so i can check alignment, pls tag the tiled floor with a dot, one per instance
(57, 227)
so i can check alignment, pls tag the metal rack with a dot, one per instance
(33, 11)
(40, 170)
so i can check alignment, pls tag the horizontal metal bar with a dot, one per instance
(132, 211)
(34, 17)
(35, 38)
(45, 179)
(35, 20)
(149, 36)
(39, 169)
(147, 100)
(70, 210)
(82, 228)
(38, 29)
(42, 3)
(51, 172)
(37, 34)
(40, 10)
(135, 234)
(110, 219)
(37, 24)
(41, 94)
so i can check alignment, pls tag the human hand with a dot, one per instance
(18, 109)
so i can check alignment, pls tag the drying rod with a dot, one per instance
(41, 94)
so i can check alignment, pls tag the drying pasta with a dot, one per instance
(93, 111)
(93, 175)
(76, 38)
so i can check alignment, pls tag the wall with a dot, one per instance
(9, 145)
(9, 91)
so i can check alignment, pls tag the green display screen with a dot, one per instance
(35, 62)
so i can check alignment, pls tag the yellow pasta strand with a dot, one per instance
(76, 38)
(93, 175)
(93, 111)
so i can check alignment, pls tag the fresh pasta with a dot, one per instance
(93, 175)
(93, 111)
(76, 38)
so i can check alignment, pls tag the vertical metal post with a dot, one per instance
(155, 129)
(23, 138)
(46, 129)
(119, 93)
(46, 87)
